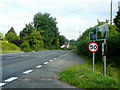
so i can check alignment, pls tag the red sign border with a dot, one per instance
(94, 43)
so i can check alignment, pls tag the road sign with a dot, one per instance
(102, 32)
(93, 34)
(99, 33)
(93, 47)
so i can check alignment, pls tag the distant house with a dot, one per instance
(66, 45)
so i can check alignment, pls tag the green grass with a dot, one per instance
(6, 47)
(17, 51)
(81, 76)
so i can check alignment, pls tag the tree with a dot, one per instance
(117, 21)
(62, 40)
(36, 41)
(25, 47)
(26, 31)
(11, 35)
(12, 30)
(48, 27)
(73, 44)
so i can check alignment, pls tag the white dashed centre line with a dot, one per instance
(28, 71)
(55, 58)
(10, 57)
(2, 84)
(51, 60)
(39, 66)
(46, 62)
(11, 79)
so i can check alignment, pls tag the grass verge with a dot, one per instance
(17, 51)
(81, 76)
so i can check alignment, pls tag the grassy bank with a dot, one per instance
(81, 76)
(6, 47)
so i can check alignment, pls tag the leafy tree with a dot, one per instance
(25, 47)
(48, 26)
(73, 44)
(36, 41)
(117, 21)
(62, 40)
(56, 43)
(11, 35)
(26, 31)
(12, 30)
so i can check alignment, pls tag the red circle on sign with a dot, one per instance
(94, 50)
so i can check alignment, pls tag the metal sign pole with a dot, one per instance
(104, 65)
(93, 62)
(104, 59)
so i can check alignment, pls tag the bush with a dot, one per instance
(25, 47)
(36, 44)
(6, 46)
(113, 46)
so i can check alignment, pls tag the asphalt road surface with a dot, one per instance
(36, 70)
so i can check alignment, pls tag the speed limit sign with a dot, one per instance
(93, 47)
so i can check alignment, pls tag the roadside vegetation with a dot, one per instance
(81, 76)
(9, 47)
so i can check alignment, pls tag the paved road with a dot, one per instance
(36, 70)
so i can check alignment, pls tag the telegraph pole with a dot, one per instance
(111, 13)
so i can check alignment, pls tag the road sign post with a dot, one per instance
(93, 62)
(104, 49)
(98, 34)
(93, 47)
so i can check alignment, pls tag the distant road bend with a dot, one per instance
(37, 68)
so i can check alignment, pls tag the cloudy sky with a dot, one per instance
(73, 16)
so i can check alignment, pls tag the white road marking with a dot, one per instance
(51, 60)
(39, 66)
(11, 57)
(55, 58)
(28, 71)
(11, 79)
(46, 62)
(2, 84)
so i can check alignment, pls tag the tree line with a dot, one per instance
(40, 34)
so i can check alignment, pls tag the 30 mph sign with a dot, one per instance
(93, 47)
